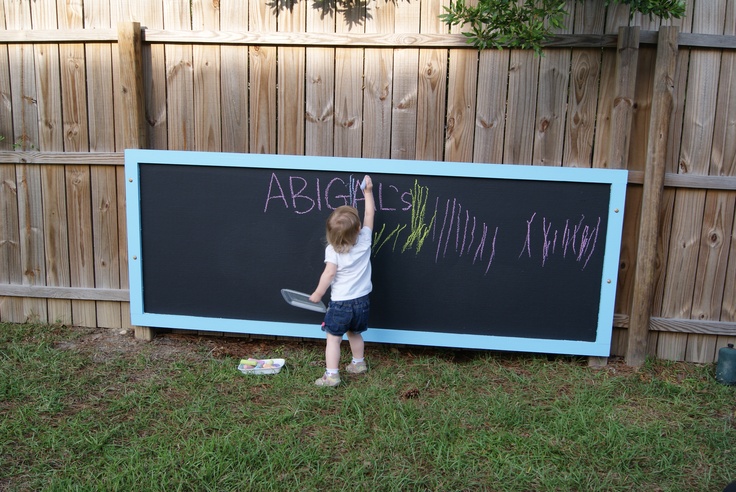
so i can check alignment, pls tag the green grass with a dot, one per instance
(175, 414)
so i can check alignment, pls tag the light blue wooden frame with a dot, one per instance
(600, 347)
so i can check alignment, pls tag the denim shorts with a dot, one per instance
(344, 316)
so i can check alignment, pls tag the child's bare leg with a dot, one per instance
(332, 351)
(357, 346)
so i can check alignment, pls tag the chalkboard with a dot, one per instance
(464, 255)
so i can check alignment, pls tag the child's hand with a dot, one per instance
(368, 183)
(315, 298)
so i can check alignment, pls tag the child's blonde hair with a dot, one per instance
(343, 228)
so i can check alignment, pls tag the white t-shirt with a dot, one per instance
(353, 277)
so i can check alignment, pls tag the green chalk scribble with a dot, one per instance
(378, 242)
(419, 228)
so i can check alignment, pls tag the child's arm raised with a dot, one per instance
(370, 204)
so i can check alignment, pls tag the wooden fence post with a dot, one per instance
(627, 56)
(662, 107)
(132, 118)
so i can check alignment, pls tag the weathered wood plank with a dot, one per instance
(674, 325)
(179, 80)
(406, 75)
(490, 122)
(158, 35)
(106, 242)
(262, 84)
(432, 88)
(378, 84)
(552, 108)
(695, 150)
(554, 102)
(134, 133)
(206, 70)
(6, 108)
(621, 108)
(149, 13)
(26, 132)
(11, 309)
(522, 96)
(233, 79)
(349, 88)
(583, 99)
(106, 101)
(76, 139)
(615, 116)
(711, 270)
(72, 293)
(461, 104)
(723, 161)
(659, 123)
(320, 87)
(51, 134)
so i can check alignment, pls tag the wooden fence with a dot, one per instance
(79, 82)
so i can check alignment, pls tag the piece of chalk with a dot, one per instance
(362, 185)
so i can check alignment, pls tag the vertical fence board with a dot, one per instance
(518, 143)
(6, 106)
(718, 208)
(56, 241)
(661, 111)
(674, 140)
(461, 102)
(10, 269)
(320, 85)
(291, 84)
(432, 88)
(349, 86)
(615, 112)
(103, 178)
(723, 162)
(262, 83)
(234, 79)
(150, 15)
(378, 83)
(728, 308)
(553, 103)
(711, 271)
(405, 74)
(179, 80)
(689, 205)
(25, 123)
(493, 74)
(585, 69)
(206, 67)
(552, 106)
(76, 139)
(291, 72)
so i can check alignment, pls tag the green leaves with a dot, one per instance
(527, 24)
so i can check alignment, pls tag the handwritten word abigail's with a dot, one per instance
(450, 228)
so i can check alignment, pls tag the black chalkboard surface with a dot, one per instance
(508, 262)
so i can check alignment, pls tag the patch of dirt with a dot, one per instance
(106, 342)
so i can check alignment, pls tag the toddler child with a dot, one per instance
(348, 274)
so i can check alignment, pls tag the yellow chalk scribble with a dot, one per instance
(419, 227)
(378, 242)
